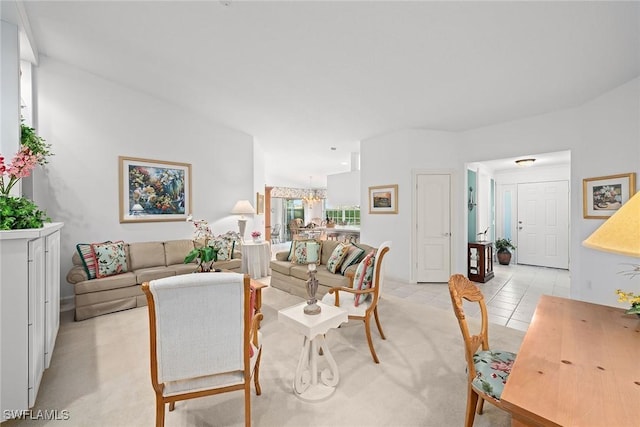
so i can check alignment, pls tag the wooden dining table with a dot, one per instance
(578, 365)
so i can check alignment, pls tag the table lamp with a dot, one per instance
(242, 208)
(620, 234)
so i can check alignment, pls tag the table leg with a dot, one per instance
(305, 383)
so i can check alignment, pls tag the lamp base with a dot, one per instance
(242, 225)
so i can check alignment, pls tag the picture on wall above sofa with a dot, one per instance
(154, 190)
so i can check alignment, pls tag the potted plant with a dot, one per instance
(503, 249)
(204, 253)
(20, 212)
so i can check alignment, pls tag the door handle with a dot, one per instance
(519, 228)
(446, 234)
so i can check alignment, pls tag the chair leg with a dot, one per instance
(159, 412)
(256, 375)
(472, 401)
(247, 404)
(367, 329)
(480, 405)
(375, 313)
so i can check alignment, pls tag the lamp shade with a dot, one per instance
(243, 207)
(620, 233)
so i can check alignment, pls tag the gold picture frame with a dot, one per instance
(153, 190)
(383, 199)
(259, 203)
(602, 196)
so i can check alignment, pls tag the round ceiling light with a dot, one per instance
(525, 162)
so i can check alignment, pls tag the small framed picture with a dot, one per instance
(259, 203)
(154, 190)
(602, 196)
(383, 199)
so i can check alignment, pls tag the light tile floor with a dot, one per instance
(511, 295)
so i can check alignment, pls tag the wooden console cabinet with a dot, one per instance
(480, 261)
(29, 311)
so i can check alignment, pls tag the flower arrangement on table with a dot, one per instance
(256, 235)
(206, 254)
(631, 297)
(20, 212)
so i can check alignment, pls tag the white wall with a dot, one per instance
(603, 136)
(90, 122)
(391, 159)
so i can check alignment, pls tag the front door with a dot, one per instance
(433, 228)
(543, 224)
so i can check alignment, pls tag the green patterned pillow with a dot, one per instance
(111, 258)
(353, 257)
(306, 251)
(337, 256)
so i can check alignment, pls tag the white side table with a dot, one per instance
(255, 259)
(313, 327)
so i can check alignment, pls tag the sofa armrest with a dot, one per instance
(282, 256)
(237, 254)
(77, 274)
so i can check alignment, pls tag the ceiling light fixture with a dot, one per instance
(312, 197)
(525, 162)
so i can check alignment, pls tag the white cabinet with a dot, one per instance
(29, 311)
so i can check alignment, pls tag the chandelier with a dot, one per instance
(312, 196)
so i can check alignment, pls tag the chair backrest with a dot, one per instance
(379, 270)
(275, 230)
(462, 288)
(199, 325)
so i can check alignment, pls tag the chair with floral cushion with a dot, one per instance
(488, 370)
(361, 301)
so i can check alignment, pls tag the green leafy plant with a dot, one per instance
(504, 245)
(206, 256)
(38, 146)
(20, 212)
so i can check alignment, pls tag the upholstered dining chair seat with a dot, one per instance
(347, 302)
(492, 370)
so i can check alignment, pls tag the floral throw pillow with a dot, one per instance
(337, 256)
(110, 258)
(306, 251)
(364, 276)
(224, 247)
(88, 258)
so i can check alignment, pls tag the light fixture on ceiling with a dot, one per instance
(525, 162)
(312, 197)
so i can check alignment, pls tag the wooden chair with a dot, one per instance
(275, 233)
(487, 370)
(203, 340)
(368, 305)
(294, 228)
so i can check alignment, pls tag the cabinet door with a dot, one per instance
(36, 316)
(52, 294)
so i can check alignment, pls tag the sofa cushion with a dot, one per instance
(354, 256)
(153, 273)
(110, 258)
(179, 269)
(337, 256)
(176, 250)
(112, 282)
(224, 247)
(328, 247)
(283, 267)
(146, 254)
(331, 280)
(364, 276)
(306, 251)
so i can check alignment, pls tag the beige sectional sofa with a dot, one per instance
(145, 261)
(292, 278)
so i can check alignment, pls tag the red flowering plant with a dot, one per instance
(20, 212)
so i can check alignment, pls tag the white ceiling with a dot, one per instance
(303, 76)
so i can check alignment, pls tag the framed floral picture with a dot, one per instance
(602, 196)
(154, 190)
(383, 199)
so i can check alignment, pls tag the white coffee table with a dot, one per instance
(313, 327)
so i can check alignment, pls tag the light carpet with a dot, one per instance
(100, 374)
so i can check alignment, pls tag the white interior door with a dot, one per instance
(433, 227)
(543, 224)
